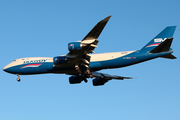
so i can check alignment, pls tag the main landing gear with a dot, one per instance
(18, 78)
(84, 72)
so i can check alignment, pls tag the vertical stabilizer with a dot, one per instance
(162, 36)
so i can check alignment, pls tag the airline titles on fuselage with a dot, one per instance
(35, 61)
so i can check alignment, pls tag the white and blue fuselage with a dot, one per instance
(41, 65)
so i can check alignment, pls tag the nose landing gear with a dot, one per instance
(18, 79)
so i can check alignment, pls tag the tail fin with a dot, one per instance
(162, 36)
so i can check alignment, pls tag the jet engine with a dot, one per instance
(75, 79)
(99, 81)
(59, 60)
(76, 46)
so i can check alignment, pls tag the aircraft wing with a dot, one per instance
(90, 41)
(108, 76)
(79, 51)
(96, 31)
(101, 78)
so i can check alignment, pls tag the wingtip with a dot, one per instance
(109, 15)
(130, 77)
(107, 18)
(172, 26)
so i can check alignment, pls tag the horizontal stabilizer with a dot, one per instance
(163, 47)
(169, 56)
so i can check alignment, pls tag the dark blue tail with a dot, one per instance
(162, 36)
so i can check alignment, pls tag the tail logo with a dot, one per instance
(159, 39)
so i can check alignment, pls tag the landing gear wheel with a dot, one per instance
(18, 79)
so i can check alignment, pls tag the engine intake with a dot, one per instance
(59, 60)
(75, 46)
(75, 79)
(99, 81)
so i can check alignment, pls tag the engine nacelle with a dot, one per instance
(74, 46)
(75, 79)
(59, 60)
(99, 81)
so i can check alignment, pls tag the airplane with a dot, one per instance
(81, 64)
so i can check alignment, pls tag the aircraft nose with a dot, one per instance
(5, 69)
(8, 69)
